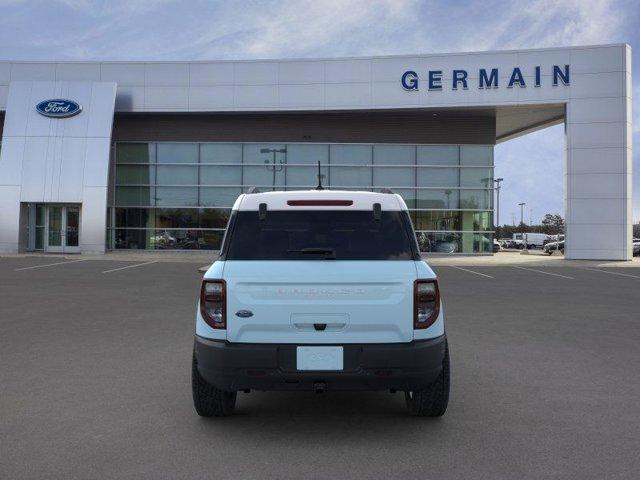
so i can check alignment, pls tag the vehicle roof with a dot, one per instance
(361, 200)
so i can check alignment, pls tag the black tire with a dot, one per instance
(207, 399)
(433, 400)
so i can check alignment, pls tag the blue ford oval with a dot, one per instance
(58, 108)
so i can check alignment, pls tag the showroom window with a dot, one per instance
(176, 196)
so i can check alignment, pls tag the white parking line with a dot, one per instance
(611, 273)
(130, 266)
(50, 264)
(545, 273)
(471, 271)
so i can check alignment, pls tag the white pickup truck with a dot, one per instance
(320, 290)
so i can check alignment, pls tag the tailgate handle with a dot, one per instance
(320, 327)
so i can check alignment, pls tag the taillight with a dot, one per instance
(213, 303)
(426, 303)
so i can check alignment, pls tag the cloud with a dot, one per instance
(546, 23)
(164, 29)
(77, 4)
(345, 26)
(114, 8)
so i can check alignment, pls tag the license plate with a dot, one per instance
(320, 358)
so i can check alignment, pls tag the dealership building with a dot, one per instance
(99, 156)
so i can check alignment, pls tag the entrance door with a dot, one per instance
(63, 229)
(55, 232)
(72, 229)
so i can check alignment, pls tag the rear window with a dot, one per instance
(320, 235)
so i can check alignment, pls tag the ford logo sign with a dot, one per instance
(58, 108)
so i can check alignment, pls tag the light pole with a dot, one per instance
(485, 181)
(522, 213)
(274, 167)
(524, 239)
(497, 181)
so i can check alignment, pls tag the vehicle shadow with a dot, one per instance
(315, 404)
(333, 416)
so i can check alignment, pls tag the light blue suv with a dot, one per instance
(320, 290)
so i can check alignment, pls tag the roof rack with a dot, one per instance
(253, 190)
(386, 190)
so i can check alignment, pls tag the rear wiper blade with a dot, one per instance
(329, 252)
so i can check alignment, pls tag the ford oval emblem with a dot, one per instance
(244, 313)
(58, 108)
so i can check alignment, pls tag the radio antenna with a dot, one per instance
(319, 187)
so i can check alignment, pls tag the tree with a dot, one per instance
(554, 220)
(553, 224)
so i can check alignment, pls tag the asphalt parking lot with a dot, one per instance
(95, 383)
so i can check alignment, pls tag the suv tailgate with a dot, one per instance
(320, 301)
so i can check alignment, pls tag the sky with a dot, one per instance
(532, 165)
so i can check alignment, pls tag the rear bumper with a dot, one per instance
(242, 366)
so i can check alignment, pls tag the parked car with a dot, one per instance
(438, 242)
(636, 247)
(320, 290)
(554, 238)
(507, 243)
(444, 246)
(163, 240)
(533, 240)
(496, 246)
(553, 246)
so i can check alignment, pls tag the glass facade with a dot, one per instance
(179, 195)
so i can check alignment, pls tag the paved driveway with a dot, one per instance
(95, 383)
